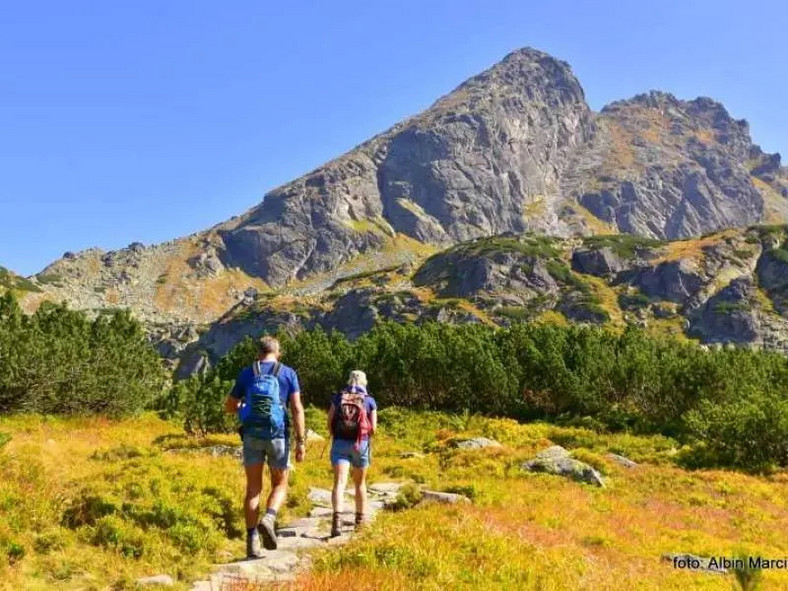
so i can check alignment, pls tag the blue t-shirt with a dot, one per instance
(369, 404)
(288, 384)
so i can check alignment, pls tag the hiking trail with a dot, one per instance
(290, 558)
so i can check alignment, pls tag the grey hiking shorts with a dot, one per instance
(275, 451)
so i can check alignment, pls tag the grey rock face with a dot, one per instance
(490, 265)
(666, 168)
(556, 460)
(674, 281)
(601, 262)
(466, 167)
(728, 317)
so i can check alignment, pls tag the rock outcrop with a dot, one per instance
(724, 288)
(558, 461)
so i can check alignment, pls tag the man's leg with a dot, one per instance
(341, 469)
(278, 461)
(254, 486)
(276, 497)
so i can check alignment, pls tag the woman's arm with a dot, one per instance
(331, 412)
(373, 418)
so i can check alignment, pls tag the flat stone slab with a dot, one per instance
(443, 497)
(320, 496)
(320, 512)
(476, 443)
(385, 488)
(156, 581)
(299, 543)
(305, 522)
(249, 568)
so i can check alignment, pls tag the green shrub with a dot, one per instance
(58, 361)
(14, 551)
(408, 496)
(729, 405)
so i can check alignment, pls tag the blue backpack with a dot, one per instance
(262, 414)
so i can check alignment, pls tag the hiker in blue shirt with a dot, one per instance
(261, 396)
(352, 419)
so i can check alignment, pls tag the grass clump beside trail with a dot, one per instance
(97, 503)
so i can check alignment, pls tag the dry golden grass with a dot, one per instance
(607, 297)
(597, 226)
(524, 531)
(203, 299)
(693, 249)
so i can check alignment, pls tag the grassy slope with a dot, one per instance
(523, 530)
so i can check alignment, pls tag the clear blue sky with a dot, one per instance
(148, 120)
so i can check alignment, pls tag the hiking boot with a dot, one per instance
(267, 529)
(253, 548)
(336, 520)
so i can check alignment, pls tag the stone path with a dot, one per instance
(290, 559)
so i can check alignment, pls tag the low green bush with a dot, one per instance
(729, 403)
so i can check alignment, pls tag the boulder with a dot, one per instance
(556, 460)
(476, 443)
(601, 262)
(443, 497)
(156, 581)
(622, 461)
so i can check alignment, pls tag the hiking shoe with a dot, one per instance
(336, 520)
(267, 529)
(253, 548)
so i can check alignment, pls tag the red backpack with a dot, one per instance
(351, 421)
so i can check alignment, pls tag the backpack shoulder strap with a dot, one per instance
(256, 369)
(276, 369)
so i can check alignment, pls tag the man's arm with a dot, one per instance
(300, 427)
(373, 418)
(233, 402)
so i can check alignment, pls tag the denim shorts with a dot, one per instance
(275, 451)
(344, 451)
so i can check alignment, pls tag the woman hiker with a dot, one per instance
(352, 419)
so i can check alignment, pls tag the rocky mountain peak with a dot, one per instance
(515, 149)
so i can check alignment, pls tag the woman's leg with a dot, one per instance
(338, 495)
(360, 481)
(340, 482)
